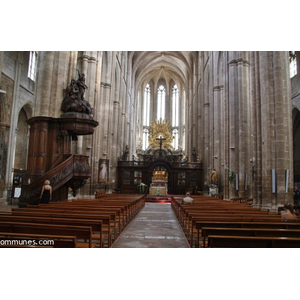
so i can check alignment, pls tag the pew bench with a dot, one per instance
(79, 213)
(81, 232)
(106, 220)
(96, 225)
(235, 225)
(259, 232)
(57, 241)
(219, 241)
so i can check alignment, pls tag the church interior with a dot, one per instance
(140, 128)
(106, 149)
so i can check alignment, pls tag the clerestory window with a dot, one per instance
(293, 64)
(161, 102)
(175, 115)
(32, 65)
(146, 116)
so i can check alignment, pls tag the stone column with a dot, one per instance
(44, 83)
(243, 119)
(84, 69)
(256, 139)
(114, 135)
(13, 123)
(233, 125)
(283, 127)
(267, 126)
(97, 137)
(216, 129)
(206, 128)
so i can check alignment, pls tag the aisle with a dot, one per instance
(155, 226)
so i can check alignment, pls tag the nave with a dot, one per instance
(155, 226)
(128, 221)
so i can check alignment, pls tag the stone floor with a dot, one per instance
(155, 226)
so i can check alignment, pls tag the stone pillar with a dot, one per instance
(84, 69)
(96, 139)
(72, 66)
(206, 128)
(283, 127)
(13, 123)
(233, 126)
(44, 83)
(115, 146)
(216, 129)
(243, 120)
(267, 127)
(256, 139)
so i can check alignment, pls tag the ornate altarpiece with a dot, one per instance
(160, 167)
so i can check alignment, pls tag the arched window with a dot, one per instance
(146, 116)
(161, 102)
(32, 65)
(146, 113)
(293, 64)
(175, 115)
(145, 138)
(175, 106)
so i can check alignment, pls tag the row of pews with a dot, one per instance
(217, 223)
(81, 223)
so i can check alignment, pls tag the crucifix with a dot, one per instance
(160, 139)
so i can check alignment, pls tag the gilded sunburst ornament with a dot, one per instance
(160, 129)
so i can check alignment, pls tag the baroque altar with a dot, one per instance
(161, 167)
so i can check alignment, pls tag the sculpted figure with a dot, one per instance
(214, 177)
(74, 97)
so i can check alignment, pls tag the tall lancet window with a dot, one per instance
(175, 115)
(146, 116)
(293, 64)
(161, 102)
(32, 65)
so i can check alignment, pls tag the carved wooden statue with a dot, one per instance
(74, 97)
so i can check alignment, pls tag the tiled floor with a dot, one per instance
(155, 226)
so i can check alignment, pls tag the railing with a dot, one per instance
(75, 166)
(189, 165)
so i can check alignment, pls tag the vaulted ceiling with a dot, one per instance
(153, 65)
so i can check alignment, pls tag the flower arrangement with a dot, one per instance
(142, 187)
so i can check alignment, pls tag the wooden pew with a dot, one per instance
(261, 232)
(190, 215)
(106, 220)
(251, 225)
(119, 211)
(266, 219)
(57, 241)
(218, 241)
(81, 232)
(96, 225)
(78, 213)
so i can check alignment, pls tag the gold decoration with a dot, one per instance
(160, 129)
(160, 175)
